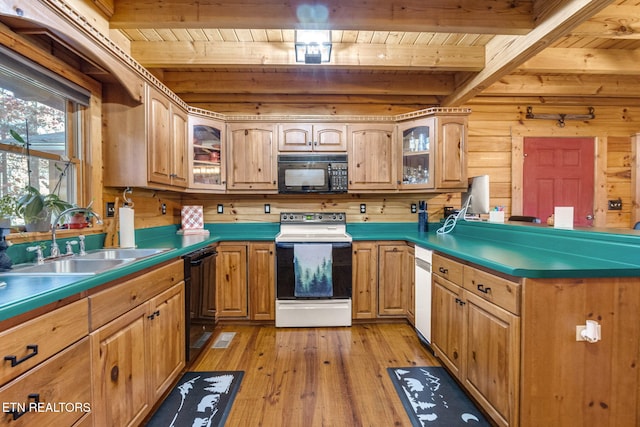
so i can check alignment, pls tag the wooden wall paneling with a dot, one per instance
(147, 205)
(387, 208)
(618, 171)
(600, 181)
(612, 126)
(517, 159)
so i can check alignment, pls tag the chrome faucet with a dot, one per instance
(55, 250)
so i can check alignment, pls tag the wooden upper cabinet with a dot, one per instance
(416, 154)
(372, 158)
(296, 137)
(146, 143)
(167, 148)
(432, 152)
(251, 157)
(451, 152)
(206, 153)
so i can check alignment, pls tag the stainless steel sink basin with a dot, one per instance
(69, 266)
(122, 253)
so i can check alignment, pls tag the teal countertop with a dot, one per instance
(515, 249)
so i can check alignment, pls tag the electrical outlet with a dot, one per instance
(164, 209)
(414, 208)
(363, 208)
(267, 208)
(111, 210)
(220, 209)
(615, 205)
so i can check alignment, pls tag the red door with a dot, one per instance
(559, 172)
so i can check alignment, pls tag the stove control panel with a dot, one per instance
(313, 218)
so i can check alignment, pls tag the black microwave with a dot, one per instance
(312, 173)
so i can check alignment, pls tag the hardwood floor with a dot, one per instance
(317, 376)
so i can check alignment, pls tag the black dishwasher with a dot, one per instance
(200, 299)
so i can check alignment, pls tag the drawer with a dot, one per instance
(115, 301)
(447, 268)
(38, 339)
(500, 291)
(61, 385)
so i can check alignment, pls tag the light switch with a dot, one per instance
(267, 208)
(220, 209)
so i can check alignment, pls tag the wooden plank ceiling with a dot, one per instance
(220, 54)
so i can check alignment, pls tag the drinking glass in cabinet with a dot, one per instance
(416, 155)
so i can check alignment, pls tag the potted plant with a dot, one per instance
(35, 208)
(8, 205)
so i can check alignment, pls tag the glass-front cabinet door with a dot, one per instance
(417, 156)
(206, 137)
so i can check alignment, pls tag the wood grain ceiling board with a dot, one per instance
(452, 52)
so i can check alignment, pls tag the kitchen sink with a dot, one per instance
(122, 253)
(69, 266)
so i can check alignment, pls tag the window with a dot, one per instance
(46, 111)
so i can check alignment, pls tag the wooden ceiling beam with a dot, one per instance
(194, 99)
(566, 85)
(177, 54)
(584, 61)
(614, 22)
(316, 82)
(505, 53)
(462, 16)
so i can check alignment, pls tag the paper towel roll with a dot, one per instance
(127, 229)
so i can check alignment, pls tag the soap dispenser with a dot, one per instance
(5, 261)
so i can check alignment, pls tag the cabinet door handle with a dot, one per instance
(153, 315)
(481, 288)
(17, 414)
(14, 359)
(443, 270)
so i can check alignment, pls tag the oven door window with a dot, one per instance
(313, 270)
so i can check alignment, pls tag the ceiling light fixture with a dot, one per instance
(313, 46)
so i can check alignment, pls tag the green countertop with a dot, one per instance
(515, 249)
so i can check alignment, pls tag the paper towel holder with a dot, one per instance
(127, 201)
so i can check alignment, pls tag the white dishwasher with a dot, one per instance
(423, 293)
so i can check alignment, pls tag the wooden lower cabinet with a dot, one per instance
(447, 325)
(166, 338)
(394, 279)
(411, 272)
(138, 353)
(364, 294)
(476, 339)
(492, 358)
(121, 370)
(231, 280)
(245, 280)
(382, 280)
(63, 379)
(136, 357)
(262, 276)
